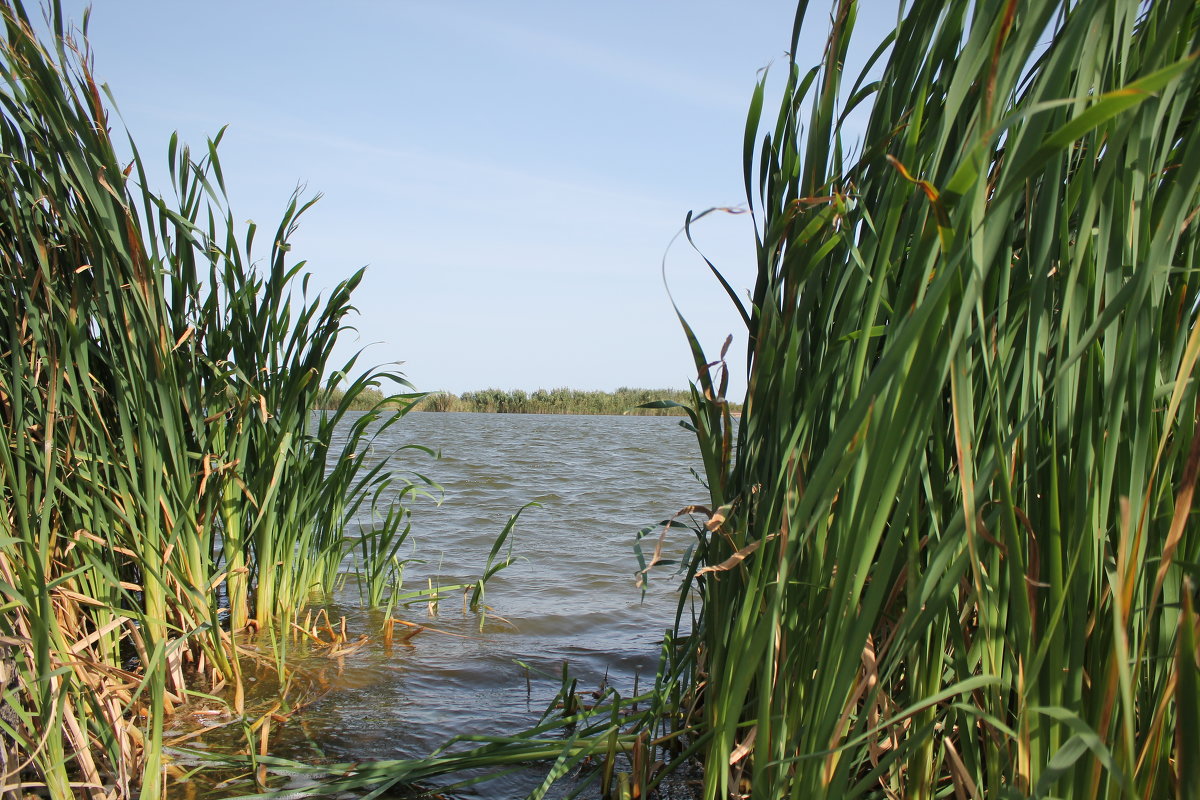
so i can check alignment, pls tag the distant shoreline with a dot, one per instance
(634, 412)
(624, 401)
(631, 413)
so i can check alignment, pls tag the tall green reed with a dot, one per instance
(951, 551)
(163, 477)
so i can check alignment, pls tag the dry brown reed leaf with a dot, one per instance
(82, 599)
(92, 782)
(436, 630)
(186, 335)
(1183, 510)
(737, 558)
(125, 551)
(175, 673)
(309, 633)
(656, 557)
(964, 786)
(744, 747)
(95, 636)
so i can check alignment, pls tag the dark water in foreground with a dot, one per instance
(570, 598)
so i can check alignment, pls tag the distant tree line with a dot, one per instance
(517, 401)
(367, 398)
(558, 401)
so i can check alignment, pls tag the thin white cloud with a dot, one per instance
(648, 74)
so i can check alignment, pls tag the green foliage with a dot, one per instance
(365, 400)
(950, 548)
(559, 401)
(495, 564)
(949, 551)
(163, 480)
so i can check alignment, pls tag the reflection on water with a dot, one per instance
(570, 597)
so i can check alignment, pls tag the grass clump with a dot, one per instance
(163, 482)
(951, 547)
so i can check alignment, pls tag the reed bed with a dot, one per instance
(951, 548)
(164, 492)
(366, 400)
(622, 401)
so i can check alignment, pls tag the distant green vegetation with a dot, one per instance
(517, 401)
(365, 400)
(559, 401)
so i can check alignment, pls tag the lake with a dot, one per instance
(570, 598)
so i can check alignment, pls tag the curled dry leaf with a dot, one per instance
(736, 558)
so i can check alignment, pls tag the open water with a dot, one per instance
(569, 599)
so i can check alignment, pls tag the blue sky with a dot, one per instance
(510, 173)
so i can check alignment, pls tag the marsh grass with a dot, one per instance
(167, 512)
(951, 545)
(949, 549)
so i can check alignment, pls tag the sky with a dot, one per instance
(511, 174)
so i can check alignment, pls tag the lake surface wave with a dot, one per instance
(570, 598)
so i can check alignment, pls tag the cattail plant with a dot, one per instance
(951, 548)
(163, 480)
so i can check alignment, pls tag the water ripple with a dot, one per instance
(570, 597)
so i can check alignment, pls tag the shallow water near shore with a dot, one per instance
(569, 598)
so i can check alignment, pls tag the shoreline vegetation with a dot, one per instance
(954, 550)
(623, 401)
(949, 550)
(173, 517)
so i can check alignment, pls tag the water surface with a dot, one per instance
(571, 597)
